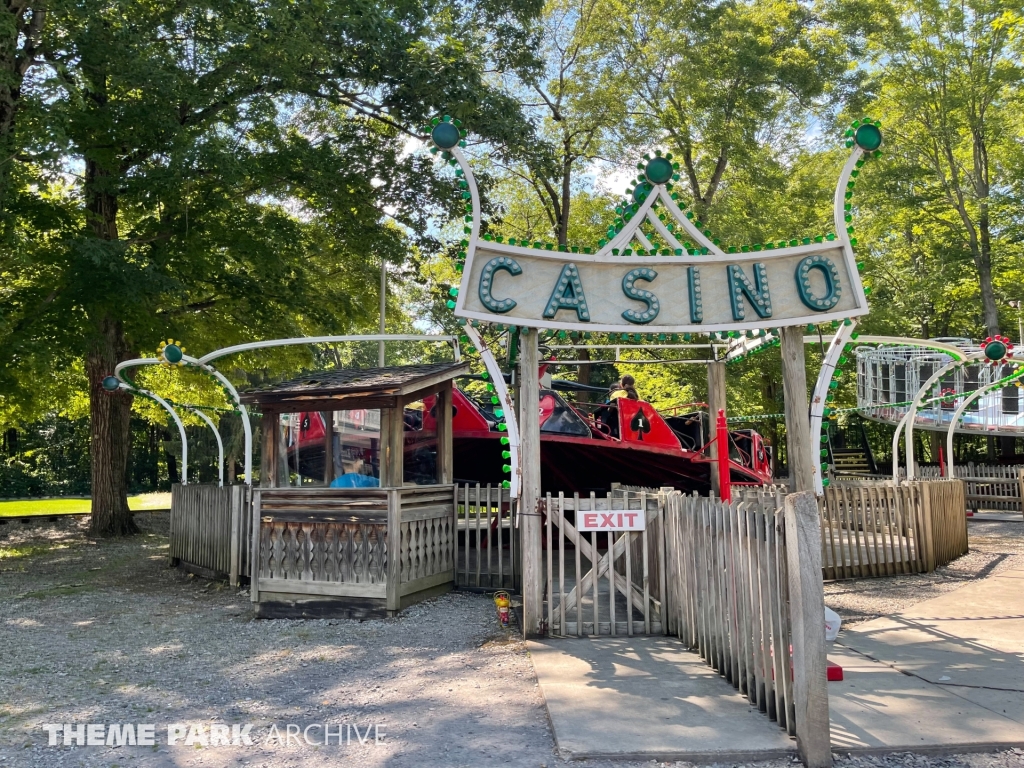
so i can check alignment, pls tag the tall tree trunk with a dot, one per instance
(110, 413)
(110, 438)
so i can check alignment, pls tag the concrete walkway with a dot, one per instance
(646, 698)
(947, 672)
(944, 676)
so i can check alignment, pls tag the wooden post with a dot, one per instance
(807, 617)
(716, 403)
(282, 477)
(443, 416)
(328, 417)
(800, 450)
(394, 564)
(529, 431)
(269, 427)
(1020, 486)
(392, 434)
(235, 497)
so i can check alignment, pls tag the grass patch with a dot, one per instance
(138, 503)
(28, 550)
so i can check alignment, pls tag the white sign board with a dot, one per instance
(660, 272)
(612, 520)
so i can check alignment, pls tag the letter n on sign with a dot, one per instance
(612, 520)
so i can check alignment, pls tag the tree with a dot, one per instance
(234, 163)
(21, 27)
(715, 82)
(947, 76)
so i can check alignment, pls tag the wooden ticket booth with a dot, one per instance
(354, 515)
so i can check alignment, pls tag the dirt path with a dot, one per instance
(105, 632)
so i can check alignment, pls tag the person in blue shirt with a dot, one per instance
(354, 477)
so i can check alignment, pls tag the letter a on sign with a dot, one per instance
(612, 520)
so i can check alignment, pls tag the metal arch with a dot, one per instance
(246, 423)
(174, 415)
(955, 352)
(204, 364)
(959, 412)
(220, 443)
(912, 411)
(821, 387)
(501, 390)
(299, 340)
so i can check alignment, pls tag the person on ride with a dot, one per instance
(615, 391)
(354, 477)
(629, 387)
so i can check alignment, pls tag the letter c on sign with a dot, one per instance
(500, 263)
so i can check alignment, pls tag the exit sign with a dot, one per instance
(615, 520)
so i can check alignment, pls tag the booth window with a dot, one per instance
(420, 459)
(336, 448)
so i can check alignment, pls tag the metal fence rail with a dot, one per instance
(488, 536)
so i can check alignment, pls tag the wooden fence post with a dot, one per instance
(394, 563)
(235, 496)
(807, 614)
(716, 401)
(529, 498)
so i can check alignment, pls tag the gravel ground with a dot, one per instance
(104, 632)
(994, 547)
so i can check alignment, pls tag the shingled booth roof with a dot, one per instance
(346, 388)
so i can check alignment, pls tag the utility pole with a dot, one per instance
(383, 304)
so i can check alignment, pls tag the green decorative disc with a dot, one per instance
(658, 171)
(642, 190)
(172, 353)
(445, 135)
(111, 384)
(995, 350)
(868, 137)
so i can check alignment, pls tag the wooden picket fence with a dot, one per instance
(608, 583)
(210, 530)
(989, 486)
(488, 533)
(728, 595)
(871, 529)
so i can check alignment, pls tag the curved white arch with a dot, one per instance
(174, 415)
(501, 390)
(204, 363)
(820, 394)
(300, 340)
(918, 398)
(959, 412)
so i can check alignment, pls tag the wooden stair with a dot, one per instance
(850, 460)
